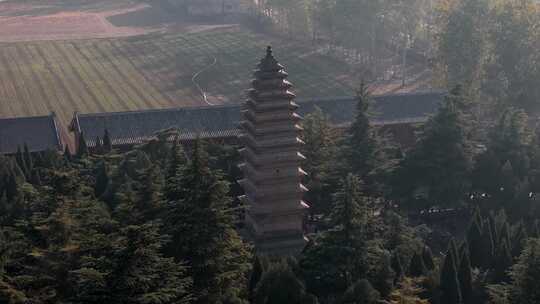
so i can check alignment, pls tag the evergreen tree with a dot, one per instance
(502, 262)
(21, 163)
(442, 154)
(12, 188)
(98, 148)
(279, 284)
(138, 272)
(449, 282)
(397, 267)
(427, 257)
(360, 292)
(417, 267)
(102, 180)
(28, 161)
(67, 154)
(319, 150)
(107, 142)
(338, 258)
(176, 163)
(365, 153)
(260, 265)
(201, 225)
(82, 147)
(477, 250)
(525, 274)
(465, 277)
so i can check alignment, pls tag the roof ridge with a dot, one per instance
(236, 105)
(159, 110)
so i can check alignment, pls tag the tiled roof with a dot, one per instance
(39, 133)
(222, 121)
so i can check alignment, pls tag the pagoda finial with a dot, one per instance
(269, 51)
(269, 63)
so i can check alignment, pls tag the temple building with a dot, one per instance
(271, 168)
(38, 133)
(399, 114)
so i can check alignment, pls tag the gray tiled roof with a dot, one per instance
(222, 121)
(39, 133)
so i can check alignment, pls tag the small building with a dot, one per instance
(39, 133)
(399, 113)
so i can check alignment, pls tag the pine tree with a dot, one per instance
(260, 265)
(361, 292)
(82, 147)
(397, 267)
(203, 232)
(427, 257)
(138, 272)
(28, 160)
(12, 188)
(176, 163)
(98, 148)
(465, 277)
(107, 143)
(365, 153)
(319, 150)
(450, 287)
(525, 275)
(417, 267)
(279, 284)
(102, 180)
(477, 248)
(67, 154)
(502, 262)
(19, 157)
(441, 154)
(338, 256)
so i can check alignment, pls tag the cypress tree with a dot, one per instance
(441, 153)
(477, 248)
(28, 160)
(19, 157)
(417, 267)
(36, 178)
(98, 147)
(397, 266)
(465, 277)
(176, 163)
(102, 180)
(202, 228)
(488, 245)
(361, 292)
(260, 265)
(519, 238)
(12, 188)
(107, 142)
(427, 256)
(502, 263)
(360, 144)
(67, 154)
(279, 284)
(82, 148)
(449, 282)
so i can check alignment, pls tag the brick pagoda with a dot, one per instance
(272, 173)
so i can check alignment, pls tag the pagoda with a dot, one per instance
(271, 167)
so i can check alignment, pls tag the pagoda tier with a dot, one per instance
(271, 168)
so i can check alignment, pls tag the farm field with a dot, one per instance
(152, 71)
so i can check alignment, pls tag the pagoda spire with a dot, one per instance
(271, 167)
